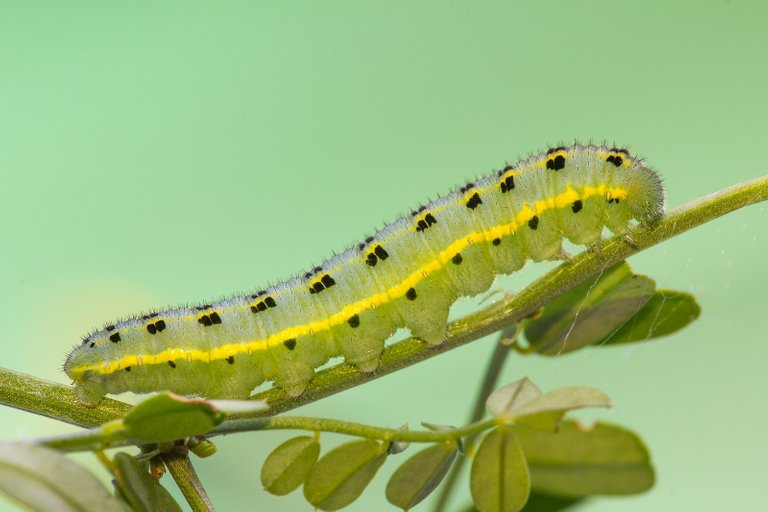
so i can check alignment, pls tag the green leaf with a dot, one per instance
(578, 461)
(505, 401)
(342, 474)
(168, 417)
(667, 311)
(139, 488)
(420, 475)
(44, 479)
(288, 466)
(546, 503)
(540, 503)
(524, 401)
(546, 411)
(590, 312)
(499, 479)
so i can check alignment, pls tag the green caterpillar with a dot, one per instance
(406, 275)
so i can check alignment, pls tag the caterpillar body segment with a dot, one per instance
(406, 275)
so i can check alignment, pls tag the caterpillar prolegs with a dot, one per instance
(406, 275)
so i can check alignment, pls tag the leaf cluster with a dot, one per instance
(523, 448)
(521, 451)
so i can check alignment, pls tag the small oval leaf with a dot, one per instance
(507, 399)
(590, 312)
(420, 475)
(546, 411)
(668, 311)
(168, 417)
(342, 474)
(499, 479)
(538, 502)
(44, 479)
(579, 461)
(288, 466)
(139, 488)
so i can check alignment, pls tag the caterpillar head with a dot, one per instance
(647, 194)
(80, 365)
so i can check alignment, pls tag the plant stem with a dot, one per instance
(178, 464)
(351, 428)
(94, 439)
(495, 365)
(57, 401)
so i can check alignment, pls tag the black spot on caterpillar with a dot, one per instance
(451, 247)
(425, 221)
(473, 201)
(155, 327)
(377, 254)
(326, 281)
(209, 319)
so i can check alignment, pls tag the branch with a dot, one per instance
(495, 365)
(101, 438)
(353, 429)
(57, 401)
(178, 464)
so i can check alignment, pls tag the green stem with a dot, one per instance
(352, 429)
(178, 464)
(57, 401)
(495, 365)
(98, 438)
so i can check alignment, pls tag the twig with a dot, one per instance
(495, 365)
(178, 464)
(97, 438)
(57, 401)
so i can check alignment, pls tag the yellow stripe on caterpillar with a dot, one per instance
(560, 201)
(405, 275)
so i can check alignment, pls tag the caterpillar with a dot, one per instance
(405, 275)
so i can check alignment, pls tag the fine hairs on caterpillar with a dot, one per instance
(406, 275)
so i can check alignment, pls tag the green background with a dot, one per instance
(157, 153)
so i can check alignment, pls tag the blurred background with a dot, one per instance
(160, 153)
